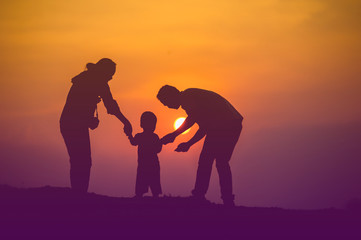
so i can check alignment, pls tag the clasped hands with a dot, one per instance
(169, 138)
(128, 129)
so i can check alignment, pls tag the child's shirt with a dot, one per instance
(149, 146)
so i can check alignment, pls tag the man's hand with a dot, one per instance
(128, 129)
(169, 138)
(183, 147)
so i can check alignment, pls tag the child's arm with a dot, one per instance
(133, 140)
(158, 145)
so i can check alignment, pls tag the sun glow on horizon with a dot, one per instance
(179, 122)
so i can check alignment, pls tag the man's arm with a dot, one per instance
(184, 147)
(169, 138)
(188, 122)
(198, 136)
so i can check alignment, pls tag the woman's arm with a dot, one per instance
(113, 108)
(127, 126)
(110, 104)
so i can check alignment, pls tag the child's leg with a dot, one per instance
(141, 185)
(155, 181)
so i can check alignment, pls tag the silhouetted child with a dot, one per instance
(149, 145)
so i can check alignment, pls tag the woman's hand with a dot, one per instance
(128, 129)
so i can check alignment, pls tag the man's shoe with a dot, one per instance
(228, 203)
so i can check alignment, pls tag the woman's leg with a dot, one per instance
(77, 142)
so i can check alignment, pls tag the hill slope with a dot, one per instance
(57, 212)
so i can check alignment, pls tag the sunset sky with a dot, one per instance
(291, 68)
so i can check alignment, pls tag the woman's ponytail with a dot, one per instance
(90, 66)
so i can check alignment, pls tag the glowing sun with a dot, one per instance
(179, 122)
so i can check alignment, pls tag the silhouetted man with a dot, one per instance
(219, 121)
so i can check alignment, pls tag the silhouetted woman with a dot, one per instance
(88, 89)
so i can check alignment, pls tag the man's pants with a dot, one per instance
(217, 146)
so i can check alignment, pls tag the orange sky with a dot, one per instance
(292, 68)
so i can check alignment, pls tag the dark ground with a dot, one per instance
(57, 213)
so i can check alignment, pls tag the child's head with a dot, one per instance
(148, 121)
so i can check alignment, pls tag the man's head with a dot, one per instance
(169, 96)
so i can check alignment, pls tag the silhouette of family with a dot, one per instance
(219, 122)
